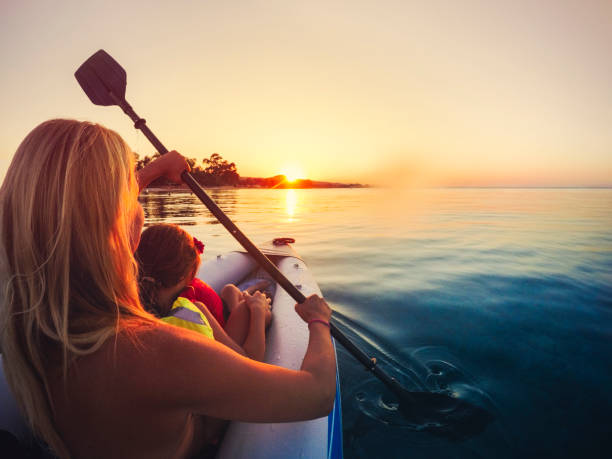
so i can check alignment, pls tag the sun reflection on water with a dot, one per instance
(291, 203)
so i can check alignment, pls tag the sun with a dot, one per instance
(292, 172)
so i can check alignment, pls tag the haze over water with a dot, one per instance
(436, 93)
(502, 297)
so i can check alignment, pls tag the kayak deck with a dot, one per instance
(286, 343)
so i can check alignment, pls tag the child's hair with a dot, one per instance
(166, 254)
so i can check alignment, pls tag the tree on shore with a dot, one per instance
(220, 171)
(216, 171)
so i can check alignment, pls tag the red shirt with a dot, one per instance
(200, 291)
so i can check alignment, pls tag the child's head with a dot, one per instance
(168, 258)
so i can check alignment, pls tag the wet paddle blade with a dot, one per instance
(101, 75)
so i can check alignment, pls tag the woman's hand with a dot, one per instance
(314, 308)
(171, 165)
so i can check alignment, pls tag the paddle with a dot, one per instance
(104, 81)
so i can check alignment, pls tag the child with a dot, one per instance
(168, 260)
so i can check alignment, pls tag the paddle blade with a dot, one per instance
(101, 75)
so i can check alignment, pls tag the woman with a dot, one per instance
(94, 373)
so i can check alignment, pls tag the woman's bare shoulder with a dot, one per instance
(139, 349)
(141, 342)
(144, 361)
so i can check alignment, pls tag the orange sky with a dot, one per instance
(418, 93)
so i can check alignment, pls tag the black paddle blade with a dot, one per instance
(101, 75)
(443, 415)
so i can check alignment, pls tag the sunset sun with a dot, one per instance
(292, 172)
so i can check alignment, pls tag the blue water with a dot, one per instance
(500, 297)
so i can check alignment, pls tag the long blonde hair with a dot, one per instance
(68, 204)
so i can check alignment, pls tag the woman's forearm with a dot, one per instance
(320, 362)
(146, 175)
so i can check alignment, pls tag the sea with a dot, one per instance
(497, 297)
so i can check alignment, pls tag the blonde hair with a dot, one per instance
(68, 204)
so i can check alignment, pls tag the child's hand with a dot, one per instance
(258, 303)
(261, 286)
(314, 308)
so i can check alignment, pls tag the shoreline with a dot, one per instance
(185, 188)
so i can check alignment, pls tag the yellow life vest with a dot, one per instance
(187, 315)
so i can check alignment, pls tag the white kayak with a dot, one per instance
(286, 343)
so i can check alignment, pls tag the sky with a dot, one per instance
(430, 93)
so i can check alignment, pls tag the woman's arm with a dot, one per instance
(171, 165)
(205, 377)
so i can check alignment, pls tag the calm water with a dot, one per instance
(500, 296)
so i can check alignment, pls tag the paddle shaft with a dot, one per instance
(260, 258)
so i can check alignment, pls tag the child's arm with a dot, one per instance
(255, 341)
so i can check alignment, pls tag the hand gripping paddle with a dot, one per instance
(104, 81)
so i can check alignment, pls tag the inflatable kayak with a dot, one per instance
(286, 343)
